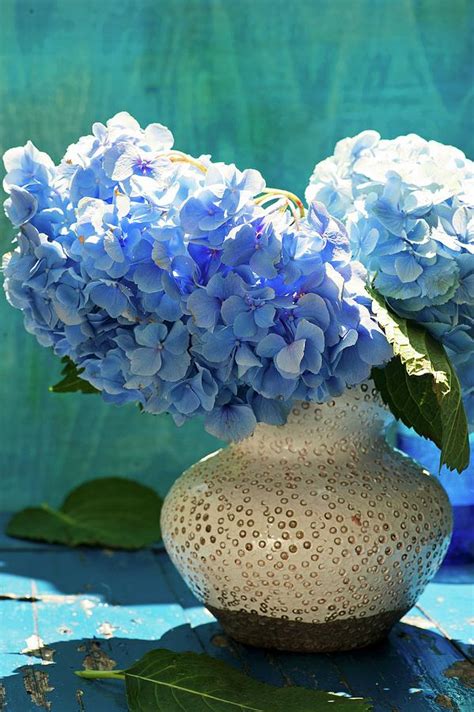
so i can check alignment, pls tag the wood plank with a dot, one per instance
(451, 607)
(85, 607)
(94, 606)
(404, 673)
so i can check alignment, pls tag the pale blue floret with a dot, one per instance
(408, 205)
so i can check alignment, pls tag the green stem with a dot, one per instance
(101, 674)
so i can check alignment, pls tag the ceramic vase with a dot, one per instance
(312, 536)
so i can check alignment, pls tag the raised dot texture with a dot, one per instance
(308, 522)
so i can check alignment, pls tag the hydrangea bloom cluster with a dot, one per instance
(408, 205)
(180, 283)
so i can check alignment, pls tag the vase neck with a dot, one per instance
(358, 414)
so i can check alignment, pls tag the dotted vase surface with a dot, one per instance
(311, 536)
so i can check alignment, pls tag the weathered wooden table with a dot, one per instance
(62, 610)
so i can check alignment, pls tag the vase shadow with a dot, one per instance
(116, 577)
(394, 673)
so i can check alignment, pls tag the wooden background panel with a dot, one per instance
(265, 83)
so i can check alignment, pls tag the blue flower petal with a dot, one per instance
(110, 297)
(231, 422)
(20, 206)
(145, 361)
(270, 345)
(203, 308)
(120, 160)
(288, 360)
(407, 268)
(390, 217)
(177, 339)
(147, 277)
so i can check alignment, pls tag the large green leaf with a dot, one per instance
(112, 512)
(164, 681)
(71, 381)
(421, 387)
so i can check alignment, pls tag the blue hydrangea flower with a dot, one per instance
(167, 280)
(408, 205)
(224, 196)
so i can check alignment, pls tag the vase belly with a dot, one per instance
(311, 536)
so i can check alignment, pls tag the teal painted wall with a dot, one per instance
(264, 83)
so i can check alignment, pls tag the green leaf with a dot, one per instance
(189, 682)
(71, 381)
(112, 512)
(421, 387)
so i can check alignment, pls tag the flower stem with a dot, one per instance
(283, 203)
(287, 194)
(101, 674)
(180, 157)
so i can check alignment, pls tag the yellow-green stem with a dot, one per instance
(287, 194)
(180, 157)
(101, 674)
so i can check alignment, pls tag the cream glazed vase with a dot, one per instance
(311, 536)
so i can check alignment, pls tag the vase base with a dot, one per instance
(301, 637)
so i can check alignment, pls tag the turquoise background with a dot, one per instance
(265, 83)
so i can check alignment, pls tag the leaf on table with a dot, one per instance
(421, 387)
(165, 681)
(113, 512)
(71, 381)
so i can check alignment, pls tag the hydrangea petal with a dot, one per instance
(407, 268)
(145, 361)
(20, 206)
(288, 360)
(231, 422)
(159, 137)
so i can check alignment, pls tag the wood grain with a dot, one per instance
(64, 609)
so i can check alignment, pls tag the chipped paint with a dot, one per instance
(34, 642)
(39, 598)
(420, 656)
(64, 630)
(3, 697)
(463, 671)
(37, 685)
(80, 701)
(87, 605)
(419, 622)
(15, 597)
(36, 648)
(345, 694)
(106, 630)
(97, 659)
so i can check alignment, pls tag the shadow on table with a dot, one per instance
(118, 577)
(456, 573)
(403, 672)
